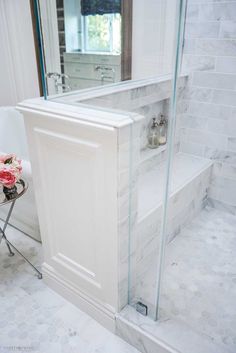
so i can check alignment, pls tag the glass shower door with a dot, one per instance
(151, 175)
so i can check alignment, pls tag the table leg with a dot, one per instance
(8, 216)
(19, 253)
(10, 245)
(3, 236)
(11, 253)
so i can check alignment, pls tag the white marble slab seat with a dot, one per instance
(186, 167)
(189, 186)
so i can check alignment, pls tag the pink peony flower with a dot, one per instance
(7, 158)
(10, 170)
(7, 178)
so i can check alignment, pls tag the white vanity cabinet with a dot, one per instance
(89, 70)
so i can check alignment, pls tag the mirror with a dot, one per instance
(87, 43)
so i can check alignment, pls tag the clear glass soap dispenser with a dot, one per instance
(162, 124)
(153, 134)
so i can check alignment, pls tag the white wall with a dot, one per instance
(18, 69)
(153, 37)
(19, 81)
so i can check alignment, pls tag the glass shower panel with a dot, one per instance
(198, 285)
(150, 187)
(171, 220)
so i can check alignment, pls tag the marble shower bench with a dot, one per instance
(186, 169)
(188, 194)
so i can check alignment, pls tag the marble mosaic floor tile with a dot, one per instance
(35, 319)
(199, 281)
(199, 289)
(199, 284)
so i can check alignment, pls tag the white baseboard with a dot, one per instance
(74, 295)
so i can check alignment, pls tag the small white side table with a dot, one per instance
(10, 196)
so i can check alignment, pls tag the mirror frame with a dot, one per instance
(126, 39)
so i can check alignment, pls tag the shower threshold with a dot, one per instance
(164, 336)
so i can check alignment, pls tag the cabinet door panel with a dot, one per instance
(77, 202)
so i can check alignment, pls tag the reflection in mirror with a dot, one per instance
(91, 42)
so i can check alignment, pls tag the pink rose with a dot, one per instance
(7, 178)
(10, 170)
(7, 158)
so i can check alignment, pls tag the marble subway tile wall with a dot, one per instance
(207, 113)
